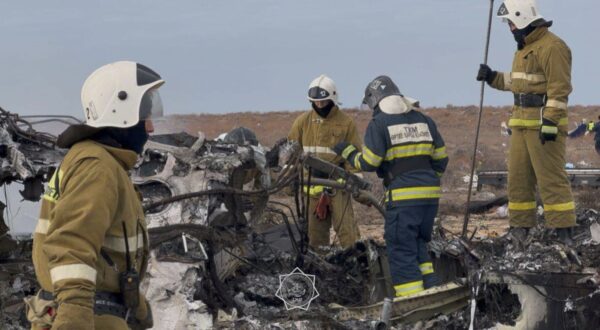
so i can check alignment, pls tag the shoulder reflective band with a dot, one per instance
(73, 272)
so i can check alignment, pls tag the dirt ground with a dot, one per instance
(457, 126)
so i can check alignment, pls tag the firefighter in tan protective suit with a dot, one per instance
(90, 247)
(318, 131)
(541, 83)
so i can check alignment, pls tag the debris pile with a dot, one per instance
(217, 261)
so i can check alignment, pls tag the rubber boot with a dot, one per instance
(430, 280)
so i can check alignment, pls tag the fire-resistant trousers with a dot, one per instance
(340, 215)
(407, 231)
(530, 164)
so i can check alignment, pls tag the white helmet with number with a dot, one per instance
(323, 88)
(520, 12)
(121, 94)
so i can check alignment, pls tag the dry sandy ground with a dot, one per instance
(457, 125)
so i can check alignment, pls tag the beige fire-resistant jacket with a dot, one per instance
(87, 200)
(543, 66)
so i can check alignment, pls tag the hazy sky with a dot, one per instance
(228, 56)
(250, 55)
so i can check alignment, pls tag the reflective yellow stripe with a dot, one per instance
(549, 129)
(51, 193)
(357, 160)
(559, 207)
(401, 194)
(507, 81)
(528, 76)
(556, 104)
(439, 153)
(117, 243)
(371, 158)
(42, 226)
(409, 151)
(314, 190)
(74, 272)
(408, 288)
(349, 149)
(318, 150)
(426, 268)
(534, 122)
(522, 206)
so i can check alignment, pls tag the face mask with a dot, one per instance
(132, 138)
(521, 34)
(324, 111)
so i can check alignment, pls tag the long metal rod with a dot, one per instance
(485, 59)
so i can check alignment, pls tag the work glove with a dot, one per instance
(548, 131)
(322, 207)
(486, 73)
(344, 149)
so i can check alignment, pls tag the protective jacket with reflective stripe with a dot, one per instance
(83, 210)
(318, 135)
(408, 152)
(543, 66)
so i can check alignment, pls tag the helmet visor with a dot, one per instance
(151, 106)
(317, 93)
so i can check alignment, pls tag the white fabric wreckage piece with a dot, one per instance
(169, 286)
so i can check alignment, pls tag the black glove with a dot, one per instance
(486, 73)
(548, 131)
(344, 149)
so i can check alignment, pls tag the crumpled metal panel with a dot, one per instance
(184, 170)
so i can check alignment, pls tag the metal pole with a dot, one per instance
(485, 59)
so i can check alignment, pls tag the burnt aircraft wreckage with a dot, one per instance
(223, 247)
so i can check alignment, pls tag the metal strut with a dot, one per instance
(485, 59)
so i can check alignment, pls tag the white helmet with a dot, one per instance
(121, 94)
(323, 88)
(520, 12)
